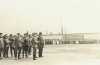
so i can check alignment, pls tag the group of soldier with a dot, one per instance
(21, 46)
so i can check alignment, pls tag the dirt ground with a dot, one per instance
(67, 54)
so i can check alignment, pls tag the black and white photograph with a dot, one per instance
(49, 32)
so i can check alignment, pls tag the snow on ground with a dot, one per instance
(67, 54)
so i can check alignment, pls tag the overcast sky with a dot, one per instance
(49, 15)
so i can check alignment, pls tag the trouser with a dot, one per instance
(19, 52)
(34, 53)
(5, 54)
(15, 52)
(40, 52)
(11, 50)
(25, 51)
(1, 52)
(29, 50)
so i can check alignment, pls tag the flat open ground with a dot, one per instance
(67, 54)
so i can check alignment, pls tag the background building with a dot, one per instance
(73, 38)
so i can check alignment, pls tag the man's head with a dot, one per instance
(5, 36)
(10, 35)
(40, 33)
(34, 34)
(18, 34)
(29, 35)
(1, 34)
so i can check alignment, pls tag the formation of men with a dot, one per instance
(21, 46)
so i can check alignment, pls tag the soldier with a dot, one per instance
(6, 46)
(29, 45)
(1, 46)
(15, 46)
(34, 42)
(19, 42)
(40, 44)
(11, 39)
(25, 45)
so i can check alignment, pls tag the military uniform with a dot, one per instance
(34, 42)
(6, 47)
(11, 39)
(15, 45)
(1, 47)
(25, 47)
(29, 45)
(19, 46)
(40, 44)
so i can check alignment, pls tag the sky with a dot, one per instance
(75, 16)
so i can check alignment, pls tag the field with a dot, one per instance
(67, 54)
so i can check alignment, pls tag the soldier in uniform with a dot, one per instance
(40, 44)
(19, 42)
(11, 39)
(15, 46)
(25, 45)
(34, 43)
(1, 46)
(29, 45)
(6, 46)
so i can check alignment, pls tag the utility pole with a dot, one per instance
(62, 32)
